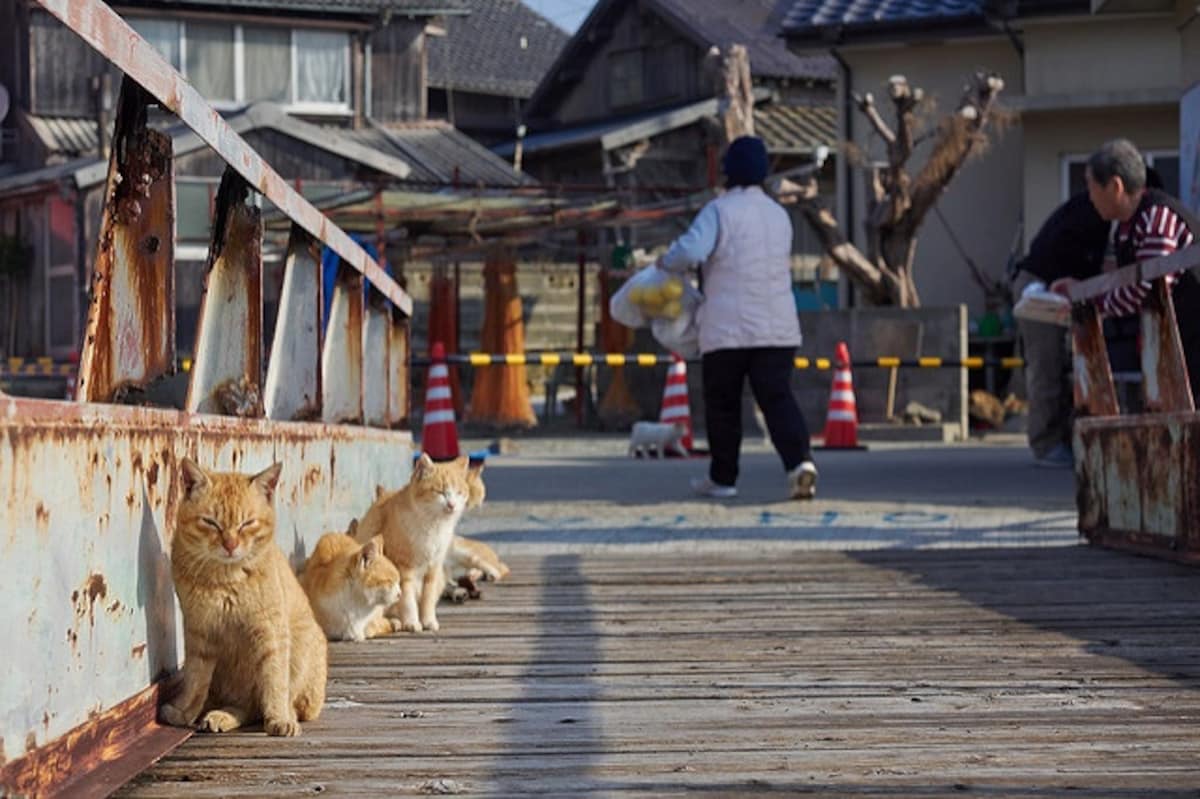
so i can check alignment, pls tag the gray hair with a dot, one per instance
(1118, 158)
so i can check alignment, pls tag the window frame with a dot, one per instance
(293, 105)
(1067, 160)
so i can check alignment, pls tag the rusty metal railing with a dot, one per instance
(357, 374)
(1137, 475)
(91, 485)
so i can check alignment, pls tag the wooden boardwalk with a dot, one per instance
(1029, 672)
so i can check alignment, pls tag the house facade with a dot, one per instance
(631, 104)
(332, 94)
(484, 66)
(1076, 72)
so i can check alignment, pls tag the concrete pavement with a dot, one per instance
(583, 494)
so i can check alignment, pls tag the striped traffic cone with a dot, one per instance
(439, 436)
(841, 421)
(675, 406)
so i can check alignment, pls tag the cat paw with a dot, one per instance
(286, 728)
(218, 721)
(397, 625)
(410, 626)
(431, 625)
(169, 714)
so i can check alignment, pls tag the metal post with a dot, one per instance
(376, 362)
(342, 357)
(130, 334)
(579, 324)
(1094, 391)
(293, 389)
(1165, 386)
(227, 375)
(399, 411)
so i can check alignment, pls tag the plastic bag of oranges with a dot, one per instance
(652, 294)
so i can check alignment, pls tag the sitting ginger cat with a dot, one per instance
(252, 647)
(467, 556)
(349, 586)
(417, 524)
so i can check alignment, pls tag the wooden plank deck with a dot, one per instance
(1031, 672)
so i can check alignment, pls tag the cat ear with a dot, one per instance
(194, 478)
(268, 479)
(379, 492)
(370, 551)
(463, 461)
(475, 468)
(352, 530)
(422, 467)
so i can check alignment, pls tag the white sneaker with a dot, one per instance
(802, 481)
(707, 488)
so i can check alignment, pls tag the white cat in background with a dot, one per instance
(659, 435)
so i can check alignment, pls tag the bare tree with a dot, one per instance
(897, 203)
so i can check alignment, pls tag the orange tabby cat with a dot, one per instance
(349, 586)
(468, 556)
(252, 647)
(417, 523)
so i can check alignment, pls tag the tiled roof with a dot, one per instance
(502, 47)
(809, 14)
(751, 23)
(64, 136)
(357, 7)
(440, 154)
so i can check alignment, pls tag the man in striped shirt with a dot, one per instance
(1150, 224)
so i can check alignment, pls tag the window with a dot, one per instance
(1165, 162)
(625, 78)
(162, 34)
(268, 63)
(209, 60)
(322, 66)
(233, 65)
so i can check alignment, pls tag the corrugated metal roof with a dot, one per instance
(809, 14)
(502, 47)
(64, 135)
(796, 128)
(440, 154)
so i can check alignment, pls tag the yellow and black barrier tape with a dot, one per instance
(36, 367)
(655, 359)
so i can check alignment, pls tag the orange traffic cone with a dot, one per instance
(439, 436)
(675, 406)
(841, 422)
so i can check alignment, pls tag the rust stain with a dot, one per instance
(114, 607)
(130, 499)
(312, 477)
(43, 516)
(138, 651)
(84, 599)
(152, 474)
(31, 741)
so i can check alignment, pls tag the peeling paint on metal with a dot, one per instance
(120, 630)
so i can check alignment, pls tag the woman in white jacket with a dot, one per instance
(742, 244)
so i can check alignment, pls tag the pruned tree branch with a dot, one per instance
(896, 202)
(961, 134)
(866, 104)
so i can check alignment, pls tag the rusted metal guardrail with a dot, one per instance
(1137, 475)
(86, 522)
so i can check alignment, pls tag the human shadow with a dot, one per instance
(539, 718)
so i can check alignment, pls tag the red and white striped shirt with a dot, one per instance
(1155, 231)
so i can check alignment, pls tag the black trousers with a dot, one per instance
(770, 373)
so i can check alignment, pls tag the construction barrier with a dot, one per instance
(654, 359)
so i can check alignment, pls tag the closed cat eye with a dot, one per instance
(247, 523)
(211, 522)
